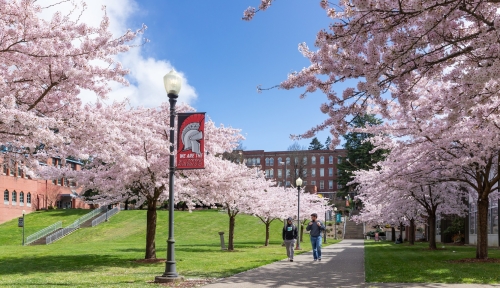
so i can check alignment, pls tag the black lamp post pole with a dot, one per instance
(170, 268)
(298, 218)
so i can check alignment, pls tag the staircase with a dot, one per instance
(353, 230)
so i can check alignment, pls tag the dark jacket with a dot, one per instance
(289, 232)
(315, 229)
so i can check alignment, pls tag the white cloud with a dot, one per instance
(146, 73)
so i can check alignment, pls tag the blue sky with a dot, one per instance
(223, 59)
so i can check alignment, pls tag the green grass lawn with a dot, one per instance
(105, 256)
(402, 263)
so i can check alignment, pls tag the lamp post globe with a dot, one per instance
(298, 183)
(172, 82)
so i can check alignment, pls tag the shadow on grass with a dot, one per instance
(62, 263)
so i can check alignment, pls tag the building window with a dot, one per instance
(6, 197)
(14, 197)
(287, 160)
(304, 173)
(287, 173)
(280, 173)
(5, 170)
(296, 160)
(313, 182)
(258, 161)
(267, 162)
(279, 160)
(304, 160)
(321, 184)
(321, 172)
(21, 198)
(339, 160)
(28, 199)
(66, 182)
(338, 171)
(271, 161)
(12, 168)
(19, 171)
(330, 184)
(313, 160)
(330, 172)
(287, 183)
(313, 172)
(269, 173)
(330, 159)
(73, 166)
(322, 160)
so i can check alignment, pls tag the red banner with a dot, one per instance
(191, 140)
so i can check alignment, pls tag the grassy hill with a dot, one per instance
(106, 255)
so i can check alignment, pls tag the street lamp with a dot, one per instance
(298, 183)
(172, 82)
(24, 224)
(335, 213)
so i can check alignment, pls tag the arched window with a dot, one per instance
(313, 160)
(258, 161)
(271, 161)
(267, 161)
(28, 199)
(322, 160)
(330, 159)
(279, 160)
(6, 197)
(304, 160)
(296, 160)
(14, 196)
(287, 160)
(21, 197)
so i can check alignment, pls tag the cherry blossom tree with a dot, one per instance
(128, 156)
(45, 64)
(393, 48)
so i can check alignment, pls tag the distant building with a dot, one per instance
(20, 192)
(317, 168)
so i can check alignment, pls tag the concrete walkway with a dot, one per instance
(342, 265)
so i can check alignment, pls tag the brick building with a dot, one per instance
(20, 192)
(317, 168)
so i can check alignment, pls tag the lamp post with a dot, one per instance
(284, 188)
(335, 213)
(24, 212)
(172, 82)
(298, 183)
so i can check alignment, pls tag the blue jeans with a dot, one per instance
(316, 246)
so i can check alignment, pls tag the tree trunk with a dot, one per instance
(432, 231)
(151, 231)
(411, 233)
(482, 228)
(267, 232)
(393, 234)
(301, 232)
(232, 220)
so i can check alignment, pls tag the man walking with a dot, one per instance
(316, 227)
(289, 236)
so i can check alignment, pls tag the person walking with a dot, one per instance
(289, 237)
(316, 227)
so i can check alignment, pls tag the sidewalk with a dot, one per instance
(342, 265)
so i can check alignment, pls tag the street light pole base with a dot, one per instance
(164, 279)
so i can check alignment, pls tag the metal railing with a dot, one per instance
(92, 214)
(105, 216)
(42, 233)
(63, 232)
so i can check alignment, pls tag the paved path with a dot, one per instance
(342, 265)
